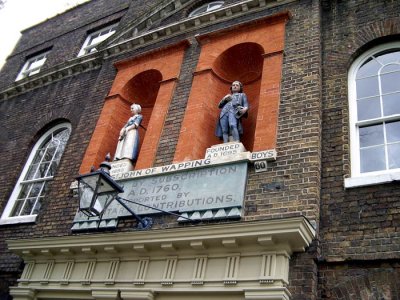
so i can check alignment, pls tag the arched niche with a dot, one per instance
(142, 89)
(243, 62)
(148, 80)
(251, 53)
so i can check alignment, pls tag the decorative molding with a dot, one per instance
(27, 273)
(169, 271)
(296, 232)
(112, 271)
(141, 271)
(232, 269)
(88, 272)
(48, 272)
(258, 270)
(69, 267)
(199, 270)
(268, 268)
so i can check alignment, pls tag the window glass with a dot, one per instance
(367, 87)
(394, 156)
(369, 108)
(390, 68)
(391, 104)
(371, 135)
(369, 68)
(388, 57)
(393, 132)
(96, 38)
(372, 159)
(206, 8)
(32, 66)
(390, 82)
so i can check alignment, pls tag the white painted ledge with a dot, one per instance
(368, 180)
(18, 220)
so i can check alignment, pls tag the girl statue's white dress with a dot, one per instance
(128, 144)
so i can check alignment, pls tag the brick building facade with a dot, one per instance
(321, 221)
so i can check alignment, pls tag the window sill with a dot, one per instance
(371, 180)
(18, 220)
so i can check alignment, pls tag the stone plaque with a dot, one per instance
(207, 188)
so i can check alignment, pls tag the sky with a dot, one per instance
(17, 15)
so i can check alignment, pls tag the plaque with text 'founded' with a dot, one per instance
(207, 188)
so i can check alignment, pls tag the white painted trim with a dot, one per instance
(87, 47)
(17, 220)
(5, 217)
(26, 72)
(371, 179)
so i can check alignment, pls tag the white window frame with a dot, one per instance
(357, 178)
(198, 10)
(6, 218)
(89, 47)
(28, 69)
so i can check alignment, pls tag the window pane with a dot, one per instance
(52, 170)
(391, 104)
(371, 135)
(17, 208)
(390, 82)
(390, 68)
(42, 170)
(24, 191)
(37, 207)
(370, 68)
(389, 57)
(33, 172)
(27, 208)
(213, 6)
(372, 159)
(393, 132)
(368, 108)
(33, 72)
(39, 155)
(37, 63)
(49, 154)
(394, 156)
(36, 189)
(367, 87)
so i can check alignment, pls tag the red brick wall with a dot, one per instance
(214, 75)
(127, 90)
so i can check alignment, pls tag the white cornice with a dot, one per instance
(295, 233)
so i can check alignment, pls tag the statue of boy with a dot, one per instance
(128, 141)
(233, 106)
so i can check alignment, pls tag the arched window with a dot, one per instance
(26, 198)
(374, 99)
(210, 6)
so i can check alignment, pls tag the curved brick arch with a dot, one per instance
(148, 80)
(214, 75)
(376, 30)
(366, 37)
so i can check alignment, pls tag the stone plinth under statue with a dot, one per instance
(226, 152)
(120, 167)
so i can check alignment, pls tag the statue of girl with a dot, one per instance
(128, 142)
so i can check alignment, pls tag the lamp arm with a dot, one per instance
(140, 220)
(167, 212)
